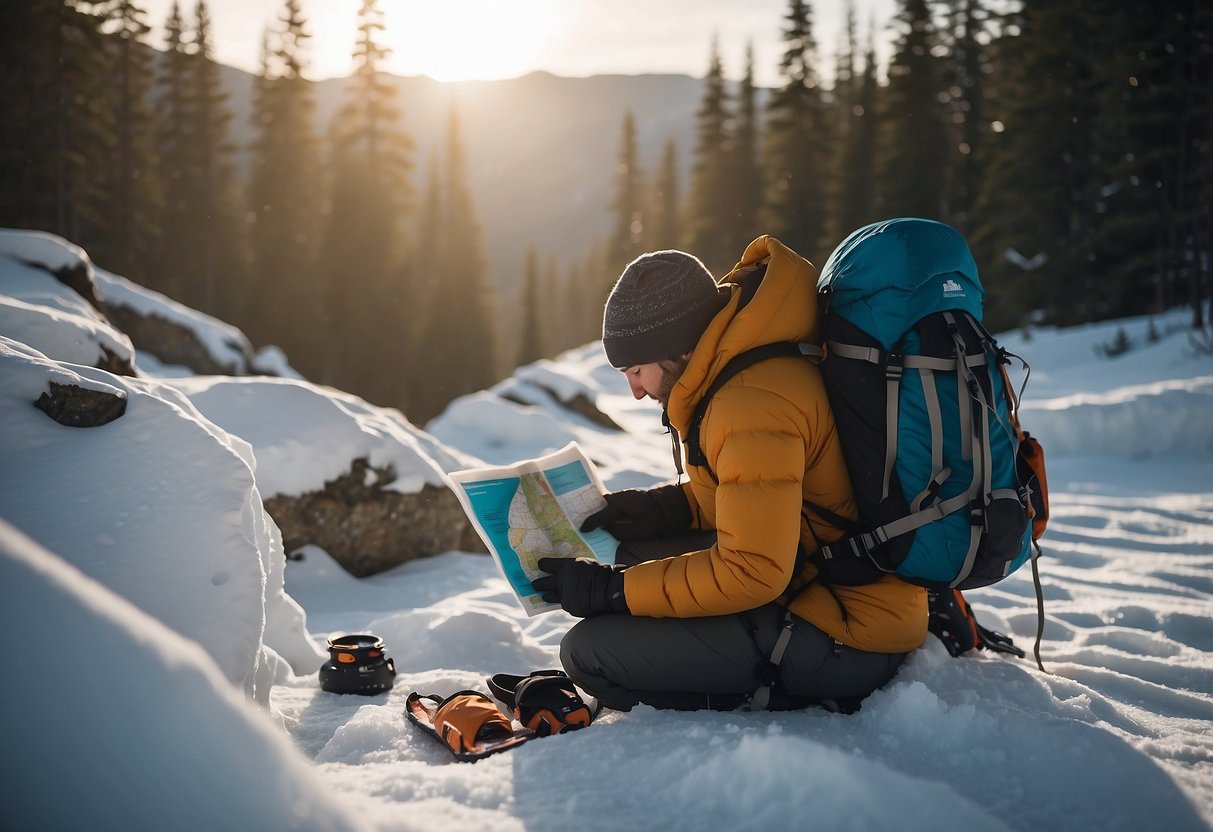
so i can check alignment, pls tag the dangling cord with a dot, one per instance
(1040, 605)
(675, 445)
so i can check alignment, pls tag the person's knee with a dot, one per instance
(578, 649)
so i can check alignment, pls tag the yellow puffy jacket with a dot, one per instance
(769, 436)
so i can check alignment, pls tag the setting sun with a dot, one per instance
(460, 40)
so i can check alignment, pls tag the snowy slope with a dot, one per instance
(159, 511)
(117, 722)
(1119, 735)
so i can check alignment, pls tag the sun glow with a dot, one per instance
(461, 40)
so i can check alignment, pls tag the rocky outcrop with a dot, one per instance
(579, 403)
(111, 362)
(173, 343)
(78, 277)
(582, 406)
(367, 527)
(81, 407)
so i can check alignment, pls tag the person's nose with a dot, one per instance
(638, 391)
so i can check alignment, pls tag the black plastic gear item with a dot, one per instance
(545, 701)
(357, 664)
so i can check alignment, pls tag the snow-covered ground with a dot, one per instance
(1119, 735)
(141, 589)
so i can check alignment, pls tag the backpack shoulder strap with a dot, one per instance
(749, 358)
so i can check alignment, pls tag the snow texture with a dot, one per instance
(144, 592)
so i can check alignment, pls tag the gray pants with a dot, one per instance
(696, 663)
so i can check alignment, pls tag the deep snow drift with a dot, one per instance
(151, 599)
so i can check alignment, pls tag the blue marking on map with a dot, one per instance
(566, 478)
(491, 501)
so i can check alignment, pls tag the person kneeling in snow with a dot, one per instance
(709, 605)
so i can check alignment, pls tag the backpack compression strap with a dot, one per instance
(975, 443)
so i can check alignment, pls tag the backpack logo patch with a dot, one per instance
(952, 289)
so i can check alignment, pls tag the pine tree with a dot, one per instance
(172, 114)
(746, 186)
(966, 69)
(664, 227)
(1196, 66)
(577, 324)
(59, 122)
(799, 149)
(710, 213)
(284, 182)
(220, 273)
(460, 338)
(431, 242)
(1036, 233)
(859, 197)
(846, 87)
(531, 342)
(552, 317)
(600, 279)
(628, 203)
(1154, 111)
(132, 243)
(369, 166)
(914, 160)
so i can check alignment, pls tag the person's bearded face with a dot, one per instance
(671, 370)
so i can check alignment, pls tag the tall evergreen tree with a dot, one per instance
(664, 228)
(284, 182)
(600, 279)
(431, 239)
(859, 197)
(532, 314)
(578, 324)
(799, 149)
(135, 204)
(628, 203)
(460, 338)
(369, 166)
(58, 118)
(552, 318)
(746, 186)
(1036, 235)
(845, 88)
(966, 69)
(1153, 138)
(173, 102)
(220, 272)
(710, 212)
(914, 160)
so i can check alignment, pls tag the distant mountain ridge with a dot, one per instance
(541, 148)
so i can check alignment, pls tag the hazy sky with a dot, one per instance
(491, 39)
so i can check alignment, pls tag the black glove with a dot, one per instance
(581, 586)
(951, 620)
(638, 514)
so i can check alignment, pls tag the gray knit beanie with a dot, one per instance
(659, 308)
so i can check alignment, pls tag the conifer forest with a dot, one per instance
(1071, 142)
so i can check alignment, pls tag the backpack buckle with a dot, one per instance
(767, 673)
(977, 512)
(893, 367)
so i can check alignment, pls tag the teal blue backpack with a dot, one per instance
(924, 410)
(944, 480)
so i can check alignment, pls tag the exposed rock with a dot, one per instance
(113, 363)
(170, 342)
(78, 277)
(80, 407)
(581, 405)
(367, 528)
